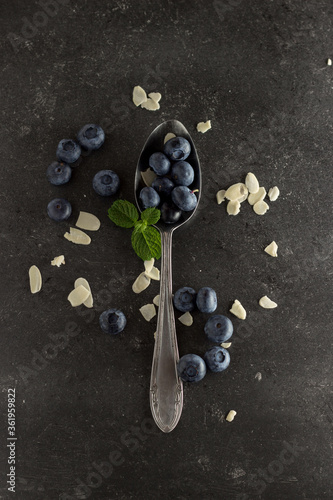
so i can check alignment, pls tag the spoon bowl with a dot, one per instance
(166, 388)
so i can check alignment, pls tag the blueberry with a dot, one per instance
(91, 136)
(68, 151)
(219, 328)
(170, 213)
(177, 148)
(112, 321)
(106, 182)
(184, 299)
(206, 300)
(58, 173)
(159, 163)
(149, 197)
(217, 359)
(191, 368)
(182, 173)
(163, 185)
(59, 209)
(184, 198)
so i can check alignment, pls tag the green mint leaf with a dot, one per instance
(147, 242)
(123, 213)
(151, 215)
(140, 225)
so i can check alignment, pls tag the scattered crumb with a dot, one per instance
(220, 196)
(238, 310)
(148, 311)
(267, 303)
(271, 249)
(258, 376)
(35, 279)
(231, 415)
(57, 261)
(204, 126)
(186, 319)
(88, 221)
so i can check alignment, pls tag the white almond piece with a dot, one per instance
(243, 198)
(267, 303)
(231, 415)
(258, 376)
(226, 345)
(78, 296)
(57, 261)
(169, 136)
(233, 207)
(236, 191)
(238, 310)
(155, 96)
(274, 193)
(204, 126)
(156, 300)
(141, 283)
(260, 207)
(77, 236)
(186, 319)
(149, 264)
(252, 183)
(329, 62)
(88, 221)
(148, 176)
(35, 279)
(148, 311)
(220, 196)
(271, 249)
(154, 274)
(82, 281)
(258, 196)
(139, 95)
(150, 105)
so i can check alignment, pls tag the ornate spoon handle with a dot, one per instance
(166, 388)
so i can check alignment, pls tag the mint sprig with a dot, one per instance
(146, 240)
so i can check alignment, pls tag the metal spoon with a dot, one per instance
(166, 388)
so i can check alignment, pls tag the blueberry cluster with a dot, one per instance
(170, 190)
(105, 183)
(218, 328)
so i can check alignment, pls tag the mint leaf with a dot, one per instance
(123, 213)
(151, 215)
(146, 242)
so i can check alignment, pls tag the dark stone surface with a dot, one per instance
(258, 71)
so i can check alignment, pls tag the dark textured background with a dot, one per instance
(258, 71)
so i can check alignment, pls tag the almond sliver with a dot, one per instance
(35, 278)
(148, 311)
(139, 95)
(77, 236)
(82, 281)
(78, 296)
(141, 283)
(88, 221)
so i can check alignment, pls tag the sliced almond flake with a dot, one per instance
(169, 136)
(78, 296)
(149, 264)
(267, 303)
(260, 207)
(148, 176)
(231, 415)
(155, 96)
(226, 345)
(139, 95)
(271, 249)
(274, 193)
(258, 196)
(204, 126)
(238, 310)
(150, 105)
(35, 279)
(244, 197)
(252, 183)
(156, 300)
(77, 236)
(186, 319)
(258, 376)
(82, 281)
(154, 274)
(220, 196)
(233, 207)
(236, 191)
(155, 335)
(329, 62)
(57, 261)
(88, 221)
(141, 283)
(148, 311)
